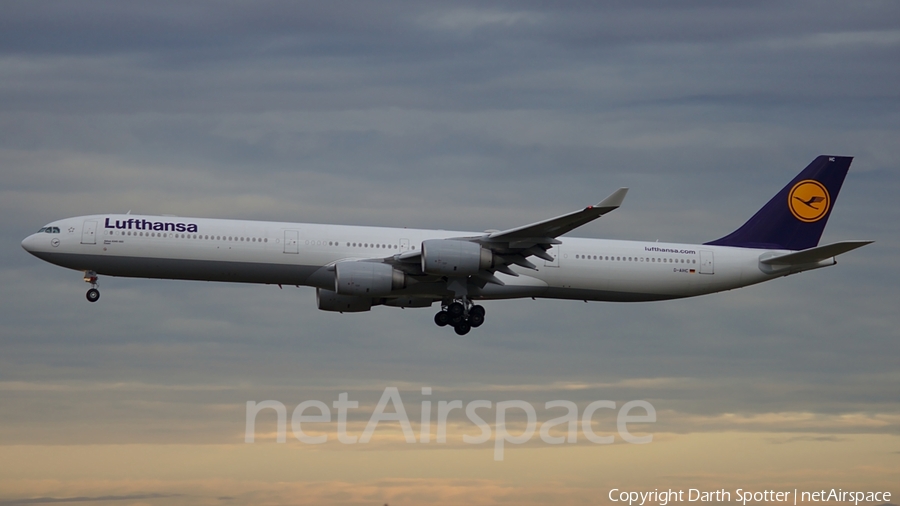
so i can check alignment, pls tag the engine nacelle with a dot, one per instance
(409, 302)
(367, 278)
(454, 258)
(327, 300)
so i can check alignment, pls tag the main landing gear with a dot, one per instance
(93, 295)
(457, 315)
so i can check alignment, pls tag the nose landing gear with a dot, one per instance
(93, 294)
(462, 319)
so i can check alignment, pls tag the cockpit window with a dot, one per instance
(48, 230)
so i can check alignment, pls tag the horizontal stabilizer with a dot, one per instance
(816, 254)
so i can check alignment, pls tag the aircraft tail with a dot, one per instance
(795, 218)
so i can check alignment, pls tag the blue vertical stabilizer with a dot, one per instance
(795, 218)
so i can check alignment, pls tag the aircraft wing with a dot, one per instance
(515, 245)
(555, 227)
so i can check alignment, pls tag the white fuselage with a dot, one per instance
(302, 253)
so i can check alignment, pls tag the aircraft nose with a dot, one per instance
(28, 243)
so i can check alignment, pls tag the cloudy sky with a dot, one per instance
(468, 116)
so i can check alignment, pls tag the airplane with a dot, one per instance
(354, 268)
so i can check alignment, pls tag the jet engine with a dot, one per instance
(327, 300)
(409, 302)
(367, 278)
(454, 258)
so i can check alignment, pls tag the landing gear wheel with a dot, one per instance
(456, 309)
(455, 320)
(462, 328)
(476, 316)
(93, 295)
(442, 319)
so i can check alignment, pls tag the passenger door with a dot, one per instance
(292, 241)
(706, 262)
(89, 232)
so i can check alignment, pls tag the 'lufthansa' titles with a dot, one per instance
(161, 226)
